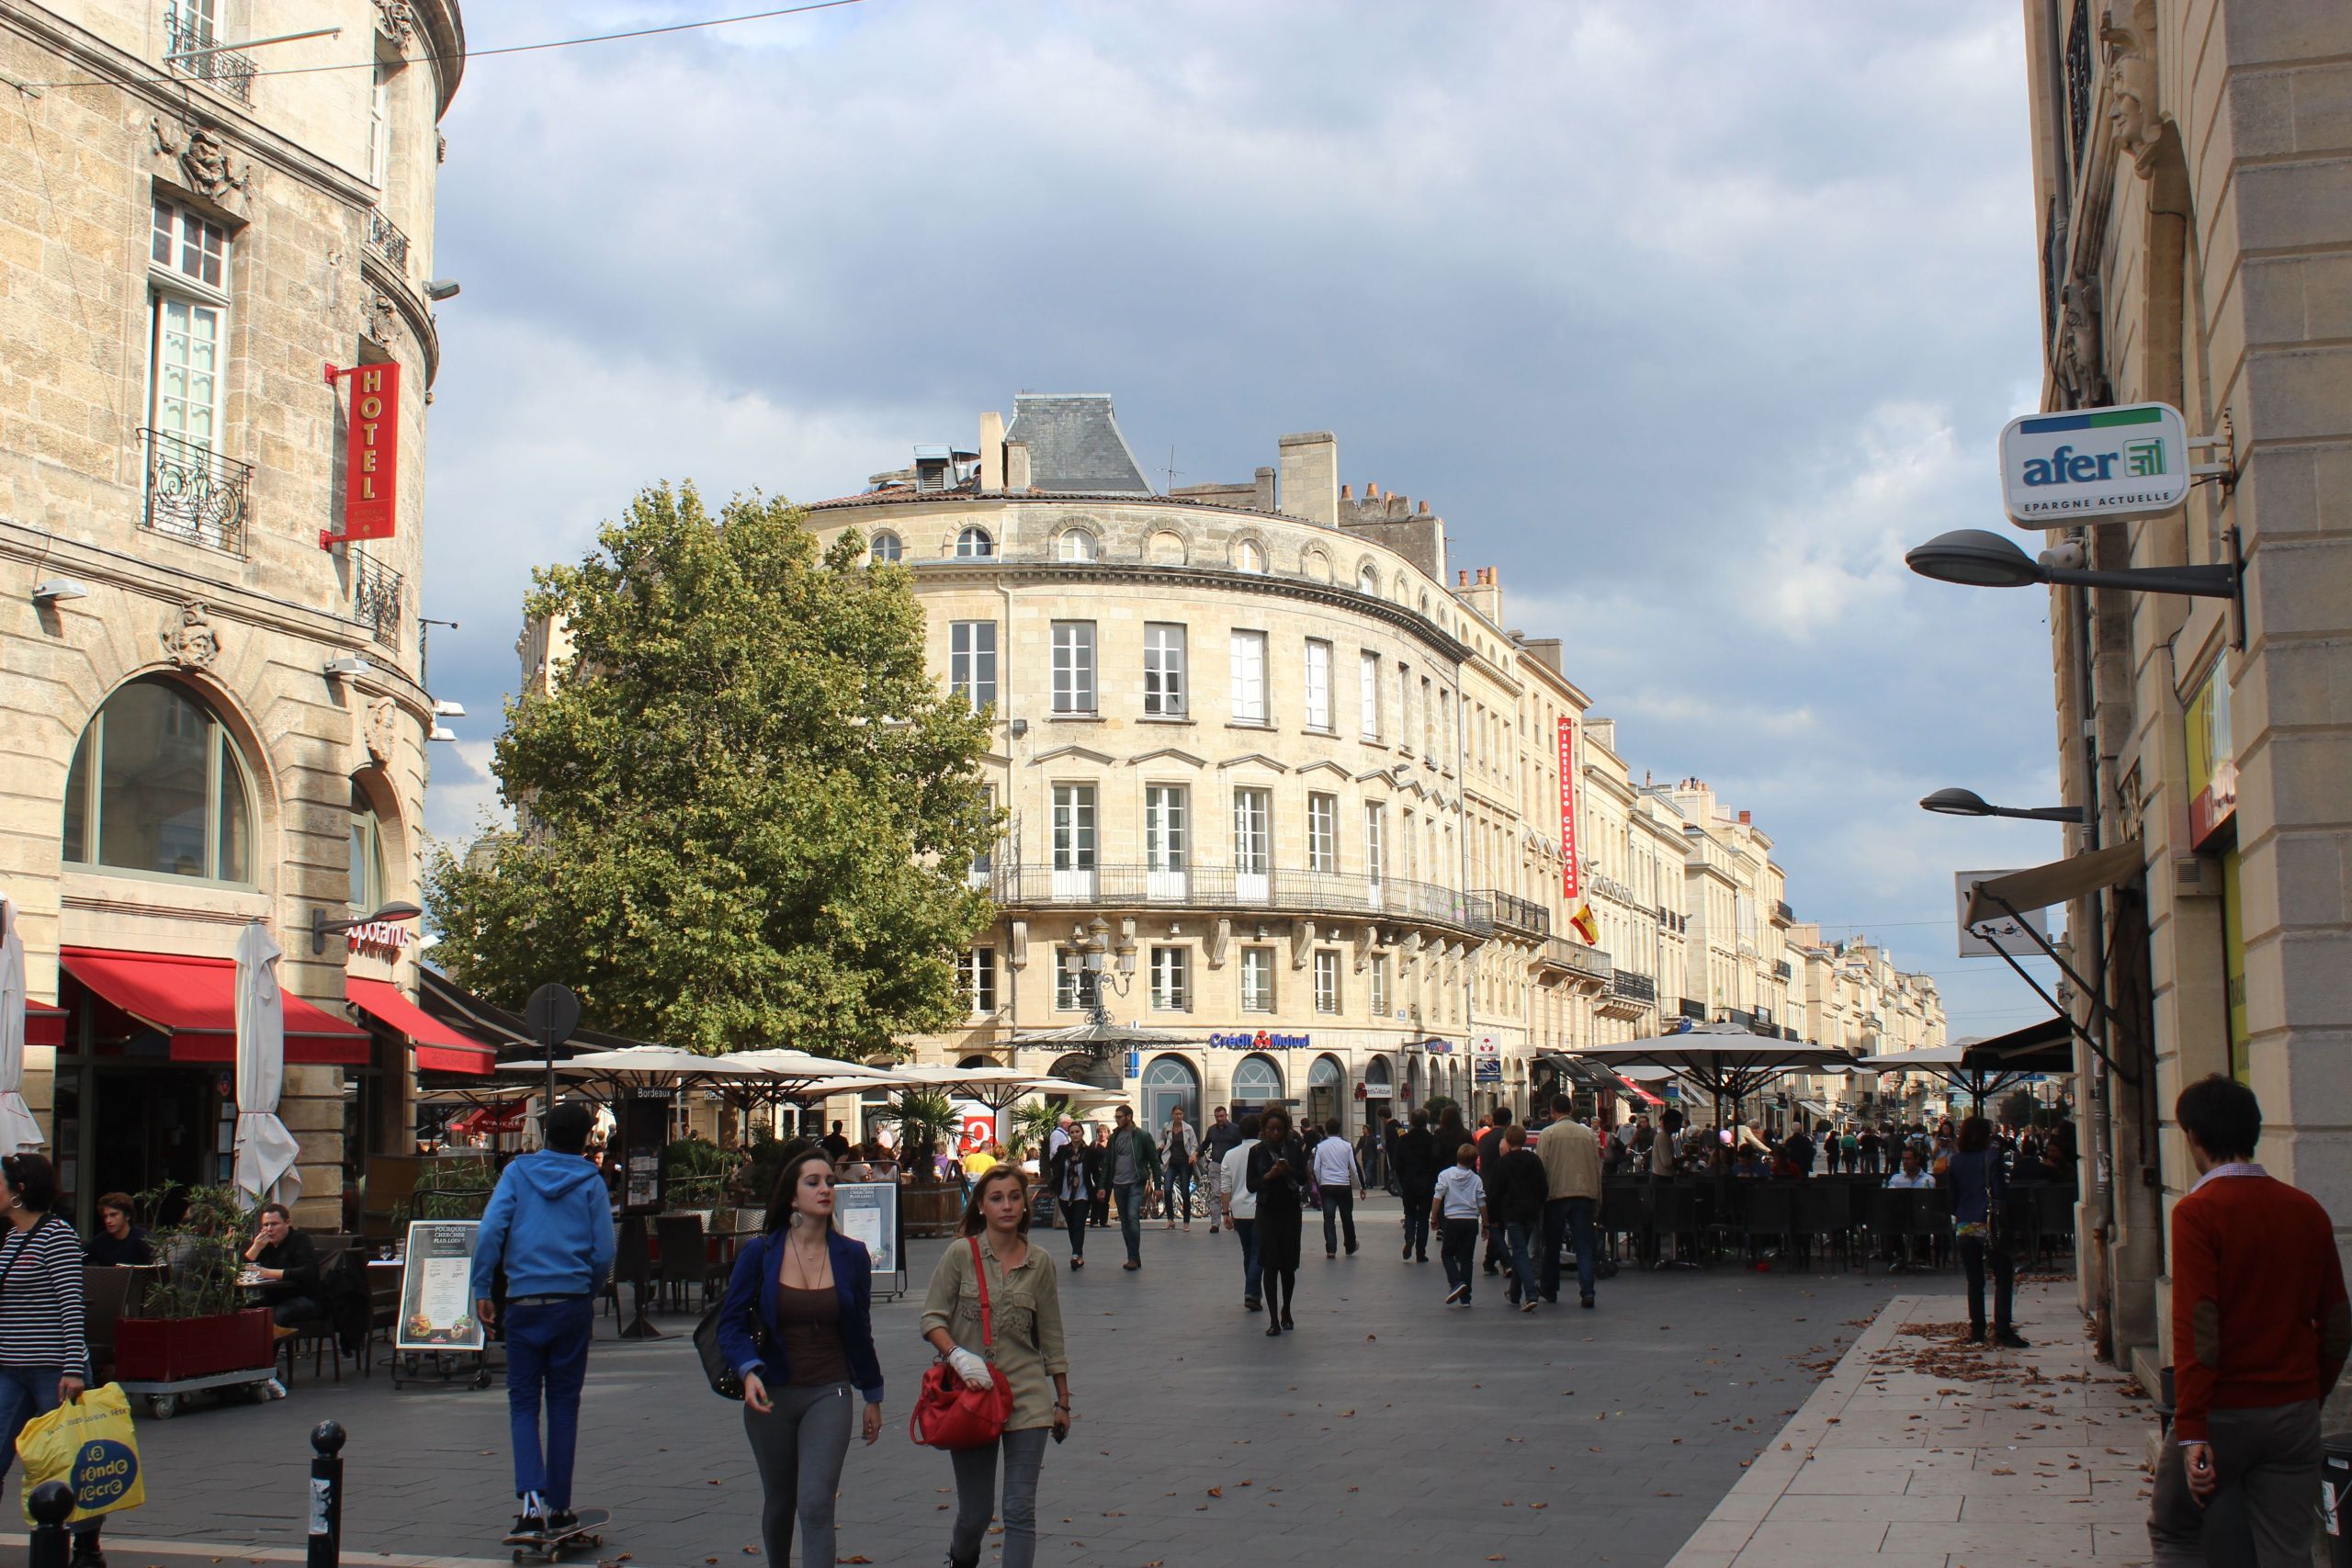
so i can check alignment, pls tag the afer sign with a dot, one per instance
(2121, 462)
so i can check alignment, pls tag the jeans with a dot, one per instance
(798, 1446)
(288, 1311)
(1517, 1234)
(1459, 1247)
(1179, 1186)
(1075, 1211)
(1024, 1455)
(1566, 1218)
(2269, 1462)
(1339, 1212)
(546, 1349)
(1245, 1231)
(24, 1393)
(1131, 1218)
(1973, 1253)
(1418, 1198)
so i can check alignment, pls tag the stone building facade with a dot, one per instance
(189, 234)
(2191, 167)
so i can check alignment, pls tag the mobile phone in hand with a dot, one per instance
(1060, 1433)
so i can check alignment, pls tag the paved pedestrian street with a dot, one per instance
(1388, 1429)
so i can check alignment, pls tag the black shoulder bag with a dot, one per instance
(723, 1380)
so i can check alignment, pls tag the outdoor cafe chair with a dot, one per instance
(1825, 1212)
(681, 1265)
(1772, 1211)
(1675, 1215)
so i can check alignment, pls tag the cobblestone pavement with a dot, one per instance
(1388, 1429)
(1920, 1453)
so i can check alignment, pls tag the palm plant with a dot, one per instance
(925, 1119)
(1032, 1123)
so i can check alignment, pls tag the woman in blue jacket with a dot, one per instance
(798, 1328)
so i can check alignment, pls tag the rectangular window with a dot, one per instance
(1073, 827)
(1318, 684)
(1428, 720)
(190, 244)
(971, 661)
(984, 860)
(380, 126)
(1253, 811)
(1074, 667)
(1165, 813)
(1323, 833)
(1405, 707)
(1368, 695)
(1248, 678)
(1257, 979)
(1445, 730)
(1166, 687)
(1171, 979)
(979, 980)
(1376, 984)
(1065, 970)
(1375, 842)
(1327, 981)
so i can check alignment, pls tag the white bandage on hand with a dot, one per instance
(970, 1368)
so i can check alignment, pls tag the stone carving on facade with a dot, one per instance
(189, 641)
(203, 156)
(397, 21)
(382, 729)
(1302, 942)
(2129, 31)
(1016, 948)
(2081, 366)
(1220, 943)
(383, 319)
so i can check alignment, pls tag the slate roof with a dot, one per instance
(1075, 444)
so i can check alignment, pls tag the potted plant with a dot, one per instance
(194, 1321)
(927, 1120)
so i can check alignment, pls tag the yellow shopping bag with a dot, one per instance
(88, 1445)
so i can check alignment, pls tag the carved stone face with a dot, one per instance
(206, 161)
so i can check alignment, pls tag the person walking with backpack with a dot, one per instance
(809, 1291)
(1021, 1335)
(549, 1226)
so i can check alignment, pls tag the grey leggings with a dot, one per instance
(1024, 1455)
(799, 1446)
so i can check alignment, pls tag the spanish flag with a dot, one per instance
(1587, 927)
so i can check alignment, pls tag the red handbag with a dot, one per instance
(948, 1413)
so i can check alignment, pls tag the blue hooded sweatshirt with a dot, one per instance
(549, 1226)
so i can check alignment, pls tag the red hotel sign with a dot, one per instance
(1571, 881)
(372, 452)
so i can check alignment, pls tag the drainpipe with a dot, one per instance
(1005, 688)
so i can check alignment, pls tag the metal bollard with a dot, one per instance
(326, 1496)
(49, 1505)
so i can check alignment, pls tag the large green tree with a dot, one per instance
(746, 813)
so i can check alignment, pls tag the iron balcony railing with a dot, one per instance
(1781, 971)
(1632, 986)
(1516, 914)
(1284, 891)
(194, 493)
(1782, 913)
(1577, 959)
(386, 240)
(193, 51)
(1693, 1008)
(1787, 1033)
(2079, 81)
(377, 597)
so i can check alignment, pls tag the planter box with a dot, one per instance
(165, 1349)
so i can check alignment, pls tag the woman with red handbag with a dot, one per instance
(994, 1313)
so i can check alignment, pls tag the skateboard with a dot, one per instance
(581, 1537)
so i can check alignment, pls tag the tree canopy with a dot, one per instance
(746, 816)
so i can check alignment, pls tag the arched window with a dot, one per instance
(1168, 1082)
(975, 542)
(1078, 545)
(1257, 1081)
(369, 889)
(886, 547)
(157, 788)
(1368, 579)
(1248, 556)
(1376, 1078)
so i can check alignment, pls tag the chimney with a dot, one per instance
(1262, 491)
(1310, 476)
(1746, 819)
(991, 452)
(1016, 467)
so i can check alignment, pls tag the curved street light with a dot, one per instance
(1978, 558)
(1968, 803)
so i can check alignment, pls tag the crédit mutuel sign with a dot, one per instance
(2119, 462)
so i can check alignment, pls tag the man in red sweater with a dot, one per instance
(2260, 1328)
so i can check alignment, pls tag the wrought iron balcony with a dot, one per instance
(386, 240)
(1514, 914)
(1693, 1008)
(1781, 971)
(184, 35)
(378, 600)
(2079, 81)
(1574, 958)
(1279, 891)
(1781, 914)
(1762, 1022)
(194, 493)
(1632, 986)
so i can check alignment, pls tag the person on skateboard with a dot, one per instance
(551, 1226)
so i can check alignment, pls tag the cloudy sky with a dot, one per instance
(1688, 320)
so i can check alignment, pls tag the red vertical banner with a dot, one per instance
(371, 471)
(1571, 880)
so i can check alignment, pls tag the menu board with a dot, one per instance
(436, 1288)
(867, 1211)
(644, 1135)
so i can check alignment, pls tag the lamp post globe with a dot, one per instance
(1975, 557)
(1957, 802)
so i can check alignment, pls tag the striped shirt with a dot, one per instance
(40, 1298)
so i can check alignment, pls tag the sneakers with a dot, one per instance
(1131, 1266)
(1584, 1301)
(1527, 1305)
(1457, 1296)
(561, 1521)
(1249, 1304)
(86, 1554)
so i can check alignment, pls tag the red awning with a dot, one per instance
(490, 1119)
(437, 1046)
(44, 1025)
(193, 1000)
(1645, 1096)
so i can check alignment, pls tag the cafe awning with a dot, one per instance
(438, 1046)
(2056, 883)
(44, 1025)
(194, 1002)
(2044, 1047)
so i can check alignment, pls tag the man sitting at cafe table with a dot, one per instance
(283, 1266)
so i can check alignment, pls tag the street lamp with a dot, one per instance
(320, 926)
(1968, 803)
(1976, 557)
(1088, 965)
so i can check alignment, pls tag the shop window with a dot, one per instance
(368, 888)
(157, 789)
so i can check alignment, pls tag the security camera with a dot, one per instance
(2065, 556)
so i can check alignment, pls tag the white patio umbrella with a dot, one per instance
(265, 1150)
(18, 1131)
